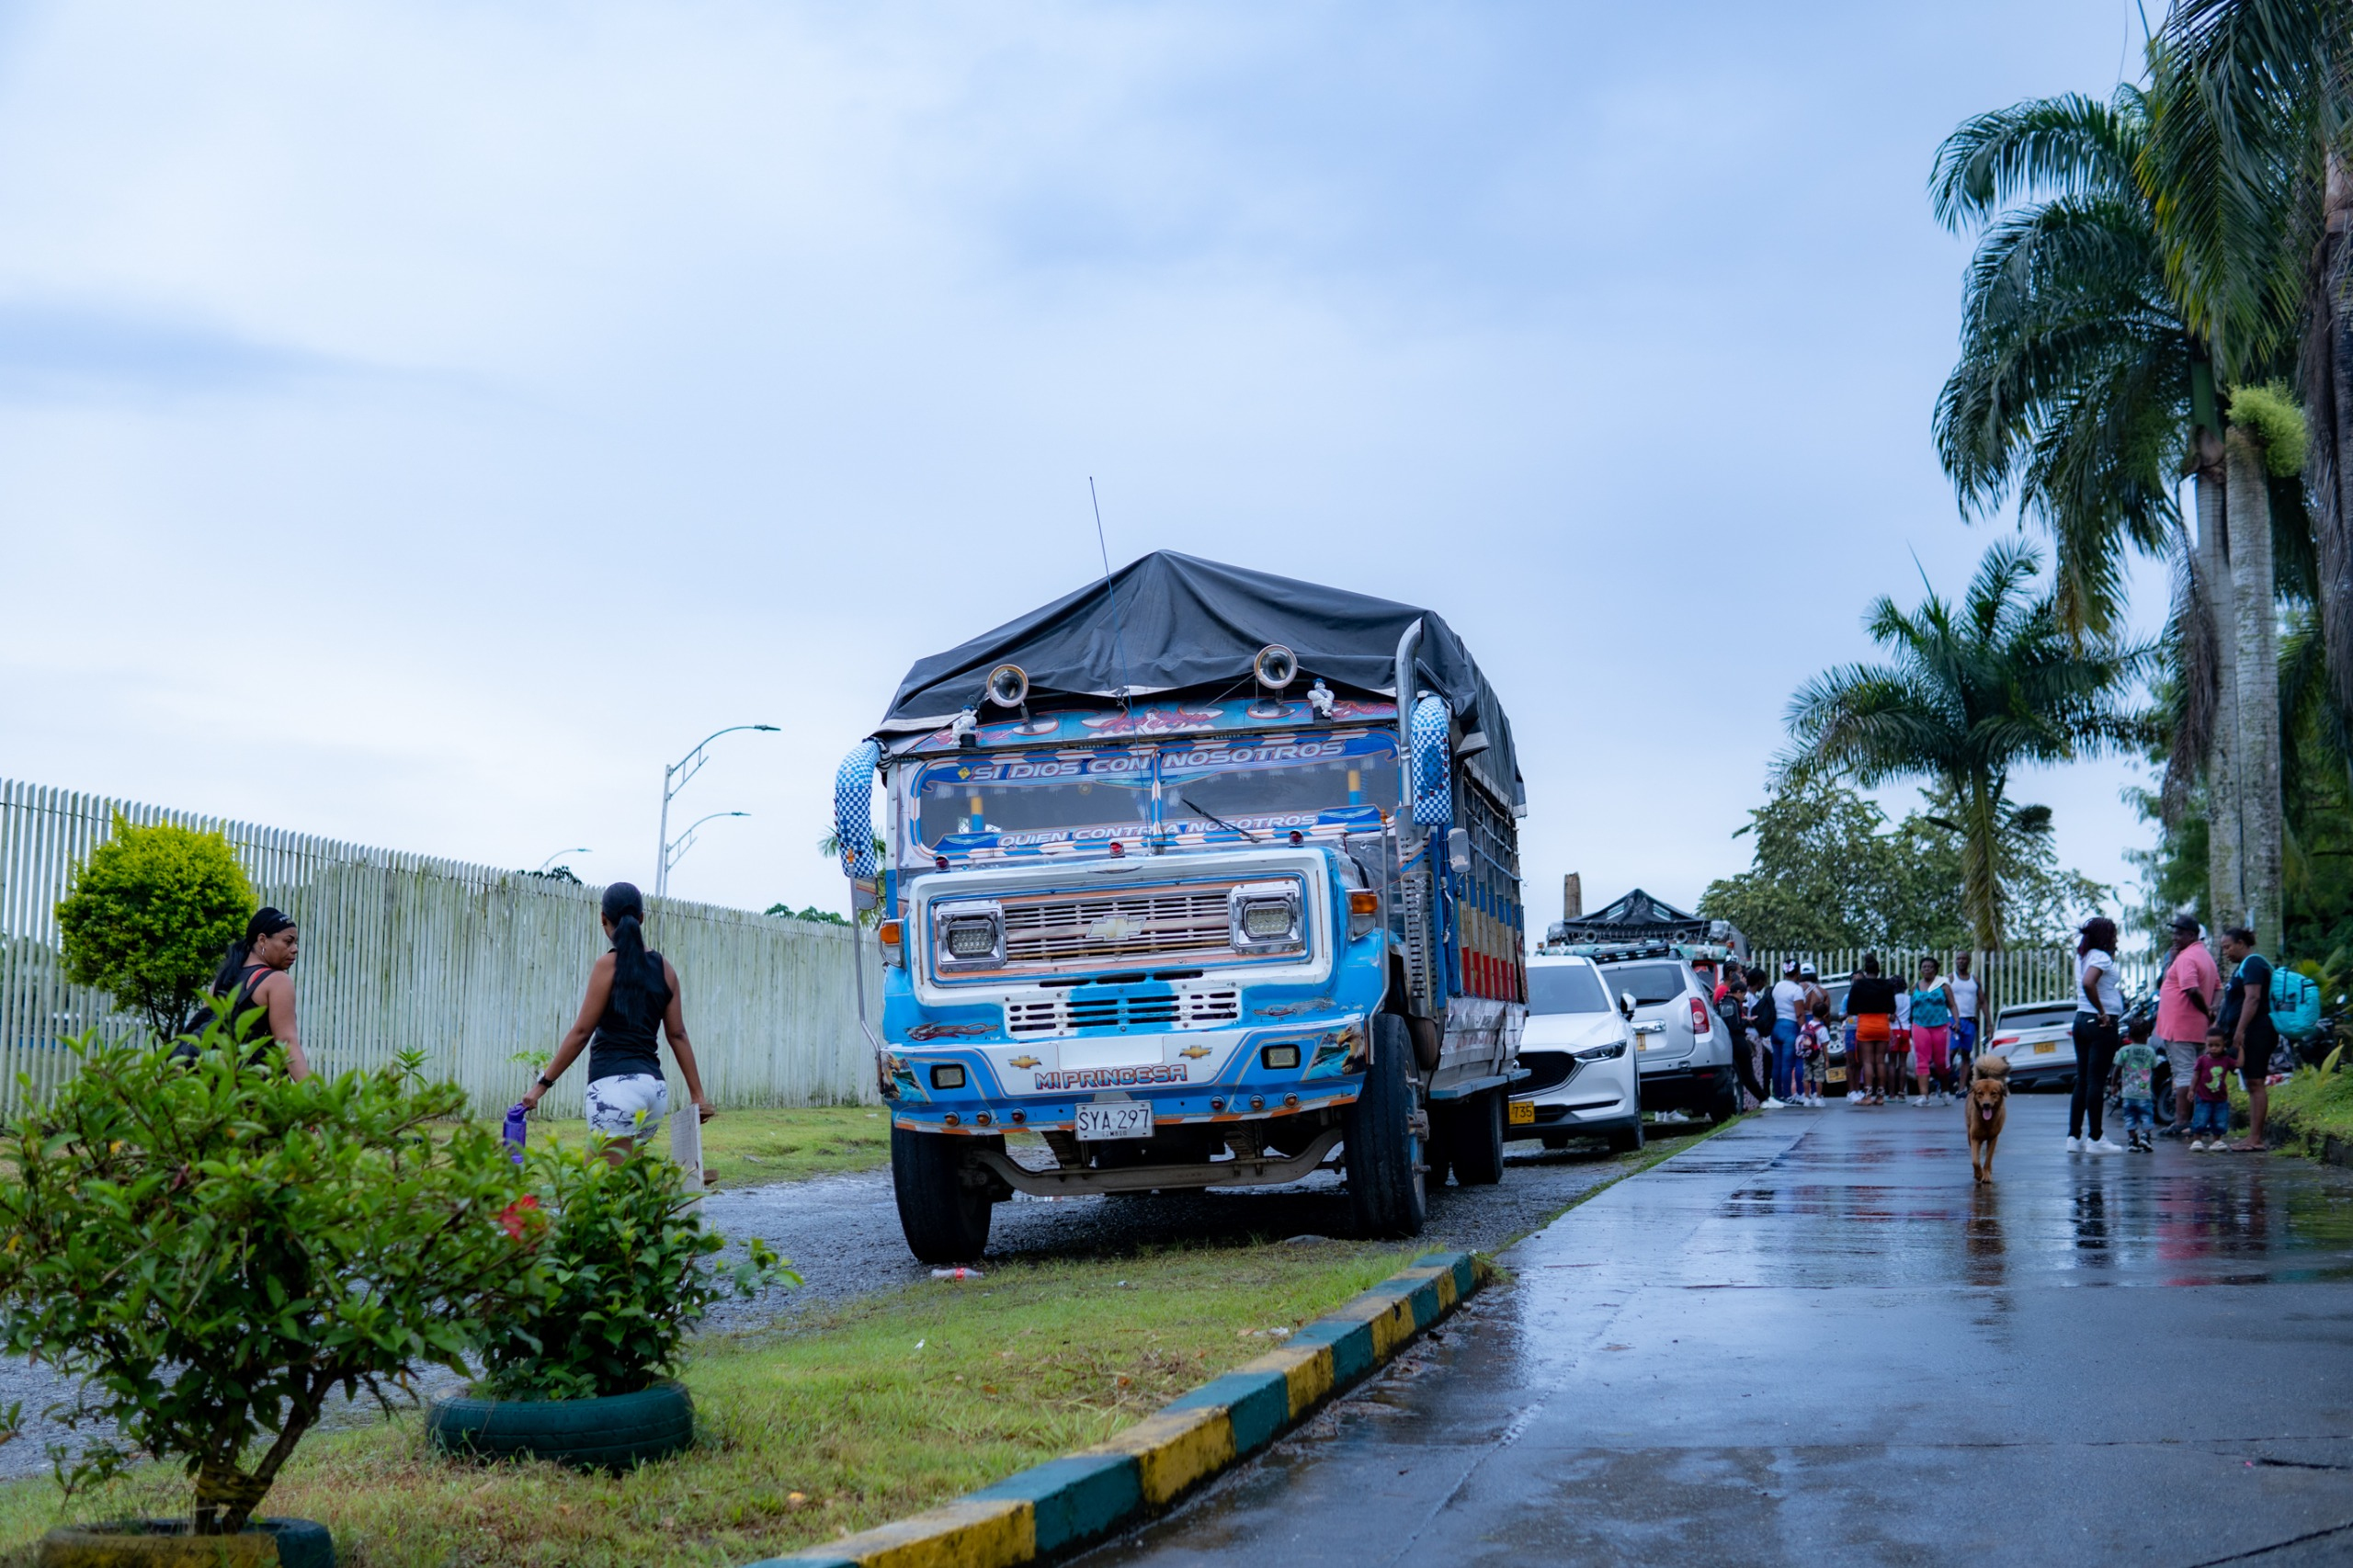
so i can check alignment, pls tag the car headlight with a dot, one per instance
(967, 936)
(1616, 1047)
(1264, 918)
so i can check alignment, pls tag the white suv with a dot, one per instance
(1579, 1049)
(1682, 1053)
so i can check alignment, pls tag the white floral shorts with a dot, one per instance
(628, 1105)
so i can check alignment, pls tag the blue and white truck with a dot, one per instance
(1204, 877)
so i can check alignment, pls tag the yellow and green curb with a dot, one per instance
(1073, 1502)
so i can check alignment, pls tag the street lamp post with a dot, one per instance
(579, 849)
(673, 779)
(677, 852)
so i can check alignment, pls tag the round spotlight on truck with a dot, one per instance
(1009, 686)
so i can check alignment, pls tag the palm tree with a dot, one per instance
(2075, 387)
(1973, 692)
(2086, 382)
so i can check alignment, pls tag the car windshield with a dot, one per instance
(2041, 1015)
(1651, 982)
(1566, 988)
(1278, 783)
(1036, 798)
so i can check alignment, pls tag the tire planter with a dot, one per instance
(612, 1432)
(165, 1543)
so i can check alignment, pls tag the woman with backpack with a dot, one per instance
(632, 992)
(254, 981)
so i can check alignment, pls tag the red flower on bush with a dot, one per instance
(521, 1215)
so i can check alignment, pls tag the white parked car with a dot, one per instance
(2039, 1039)
(1579, 1049)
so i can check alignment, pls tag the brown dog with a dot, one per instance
(1987, 1109)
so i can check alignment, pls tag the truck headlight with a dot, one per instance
(1264, 918)
(967, 936)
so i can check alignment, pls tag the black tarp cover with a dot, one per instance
(1170, 625)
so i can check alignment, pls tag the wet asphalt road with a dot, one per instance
(842, 1236)
(1811, 1340)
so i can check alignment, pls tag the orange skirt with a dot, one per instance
(1872, 1028)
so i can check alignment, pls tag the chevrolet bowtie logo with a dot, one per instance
(1114, 929)
(1195, 1051)
(1023, 1061)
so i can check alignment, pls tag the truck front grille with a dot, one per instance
(1067, 1015)
(1060, 933)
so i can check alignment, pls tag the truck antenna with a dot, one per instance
(1119, 634)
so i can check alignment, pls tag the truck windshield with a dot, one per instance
(1564, 988)
(1032, 797)
(1278, 783)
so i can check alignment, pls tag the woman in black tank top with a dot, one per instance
(633, 994)
(254, 976)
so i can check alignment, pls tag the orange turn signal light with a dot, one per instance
(889, 933)
(1364, 903)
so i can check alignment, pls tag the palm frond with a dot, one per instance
(2066, 145)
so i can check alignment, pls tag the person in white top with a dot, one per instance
(1789, 1006)
(2099, 1008)
(1966, 997)
(1899, 1039)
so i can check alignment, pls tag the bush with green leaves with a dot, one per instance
(150, 914)
(214, 1249)
(623, 1275)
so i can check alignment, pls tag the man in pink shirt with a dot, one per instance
(2185, 999)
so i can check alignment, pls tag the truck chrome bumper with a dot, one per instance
(1237, 1172)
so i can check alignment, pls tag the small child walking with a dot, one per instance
(1814, 1050)
(2210, 1116)
(2135, 1078)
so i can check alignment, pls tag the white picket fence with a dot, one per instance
(471, 965)
(2012, 977)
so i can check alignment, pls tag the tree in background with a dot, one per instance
(1830, 872)
(2254, 149)
(2111, 296)
(1973, 692)
(149, 915)
(2074, 389)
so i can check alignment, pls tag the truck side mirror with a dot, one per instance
(1458, 848)
(1626, 1004)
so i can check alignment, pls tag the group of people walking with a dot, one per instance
(632, 1003)
(2205, 1029)
(1894, 1030)
(1925, 1028)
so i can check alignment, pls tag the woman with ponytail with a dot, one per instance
(632, 993)
(253, 978)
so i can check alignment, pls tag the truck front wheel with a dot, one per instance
(945, 1220)
(1386, 1192)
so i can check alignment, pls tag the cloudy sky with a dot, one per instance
(420, 422)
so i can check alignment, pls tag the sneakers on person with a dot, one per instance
(2074, 1145)
(1771, 1105)
(2104, 1146)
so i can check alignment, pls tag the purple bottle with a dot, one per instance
(512, 1132)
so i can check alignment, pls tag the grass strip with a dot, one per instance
(2306, 1111)
(848, 1419)
(754, 1148)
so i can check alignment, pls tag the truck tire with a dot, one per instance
(945, 1220)
(1475, 1138)
(1387, 1197)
